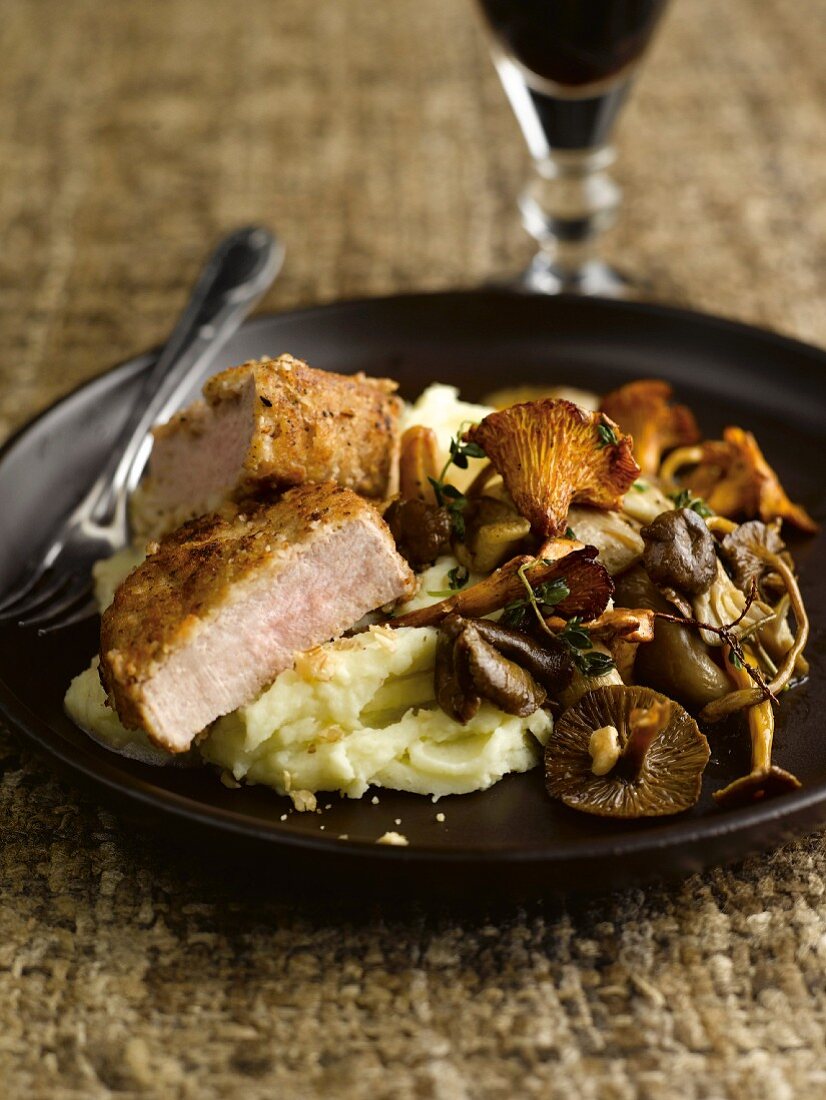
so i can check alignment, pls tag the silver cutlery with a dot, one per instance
(57, 591)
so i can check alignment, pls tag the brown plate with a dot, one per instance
(511, 839)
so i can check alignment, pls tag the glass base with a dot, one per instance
(594, 278)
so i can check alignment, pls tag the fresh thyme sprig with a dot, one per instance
(607, 436)
(575, 636)
(457, 578)
(546, 595)
(448, 496)
(683, 499)
(578, 640)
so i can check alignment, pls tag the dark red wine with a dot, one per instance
(574, 43)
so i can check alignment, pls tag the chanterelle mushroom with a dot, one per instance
(660, 765)
(734, 479)
(644, 410)
(551, 453)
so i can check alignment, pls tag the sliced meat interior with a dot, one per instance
(274, 423)
(223, 605)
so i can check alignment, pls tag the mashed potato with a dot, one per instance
(351, 714)
(361, 712)
(109, 572)
(440, 408)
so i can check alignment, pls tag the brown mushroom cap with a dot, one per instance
(547, 659)
(669, 779)
(588, 583)
(469, 668)
(680, 552)
(741, 548)
(757, 786)
(421, 530)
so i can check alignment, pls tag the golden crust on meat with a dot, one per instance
(551, 453)
(311, 425)
(190, 571)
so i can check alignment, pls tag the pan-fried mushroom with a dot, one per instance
(615, 535)
(546, 658)
(469, 668)
(745, 548)
(454, 690)
(418, 464)
(749, 696)
(629, 624)
(775, 639)
(660, 765)
(589, 588)
(680, 552)
(551, 453)
(422, 531)
(643, 409)
(765, 780)
(723, 603)
(676, 661)
(493, 532)
(734, 478)
(746, 565)
(505, 683)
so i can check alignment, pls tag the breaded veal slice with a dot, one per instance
(271, 423)
(222, 605)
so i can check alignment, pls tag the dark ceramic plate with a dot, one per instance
(512, 838)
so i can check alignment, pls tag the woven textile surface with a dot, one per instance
(376, 138)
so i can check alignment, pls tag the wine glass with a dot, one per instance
(567, 67)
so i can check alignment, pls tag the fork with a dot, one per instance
(57, 591)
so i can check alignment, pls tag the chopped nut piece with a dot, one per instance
(393, 838)
(604, 748)
(304, 801)
(551, 453)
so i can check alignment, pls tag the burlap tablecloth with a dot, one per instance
(376, 138)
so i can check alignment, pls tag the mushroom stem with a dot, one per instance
(719, 525)
(418, 463)
(765, 780)
(760, 718)
(477, 486)
(683, 456)
(749, 696)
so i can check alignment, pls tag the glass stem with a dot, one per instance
(568, 204)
